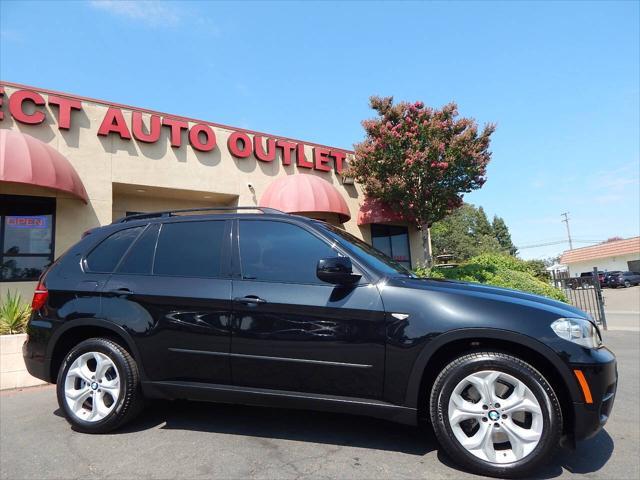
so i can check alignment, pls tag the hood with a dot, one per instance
(491, 292)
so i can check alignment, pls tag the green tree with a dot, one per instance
(420, 161)
(483, 227)
(464, 233)
(502, 235)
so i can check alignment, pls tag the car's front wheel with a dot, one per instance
(495, 414)
(98, 386)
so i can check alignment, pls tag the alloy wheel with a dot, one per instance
(92, 386)
(495, 416)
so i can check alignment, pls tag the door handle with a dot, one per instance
(250, 300)
(121, 291)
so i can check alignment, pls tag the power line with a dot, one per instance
(558, 242)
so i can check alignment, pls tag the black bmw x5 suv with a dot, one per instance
(266, 308)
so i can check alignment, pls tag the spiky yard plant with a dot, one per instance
(14, 314)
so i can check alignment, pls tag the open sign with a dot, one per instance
(28, 221)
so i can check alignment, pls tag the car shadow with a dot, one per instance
(337, 429)
(589, 456)
(299, 425)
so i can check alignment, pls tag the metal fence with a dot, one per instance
(584, 293)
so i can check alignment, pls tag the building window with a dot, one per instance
(27, 227)
(393, 241)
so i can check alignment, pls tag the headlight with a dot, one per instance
(577, 330)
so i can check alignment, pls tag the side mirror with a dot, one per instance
(336, 270)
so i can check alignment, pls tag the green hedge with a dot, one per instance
(498, 270)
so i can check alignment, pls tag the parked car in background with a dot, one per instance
(272, 309)
(585, 280)
(589, 275)
(608, 274)
(624, 279)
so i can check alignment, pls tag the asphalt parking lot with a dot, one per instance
(622, 308)
(197, 440)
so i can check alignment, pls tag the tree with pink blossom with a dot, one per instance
(420, 161)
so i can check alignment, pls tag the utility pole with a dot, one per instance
(566, 220)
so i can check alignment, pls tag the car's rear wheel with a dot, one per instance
(627, 284)
(495, 414)
(98, 386)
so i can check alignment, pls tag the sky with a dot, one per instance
(560, 80)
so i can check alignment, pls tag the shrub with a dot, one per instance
(13, 314)
(498, 270)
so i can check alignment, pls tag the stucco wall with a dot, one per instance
(607, 264)
(13, 371)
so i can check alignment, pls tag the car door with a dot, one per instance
(290, 330)
(172, 291)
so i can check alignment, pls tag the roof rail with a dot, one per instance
(171, 213)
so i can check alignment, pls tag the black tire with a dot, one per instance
(130, 400)
(465, 365)
(627, 284)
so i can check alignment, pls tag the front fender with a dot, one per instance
(432, 347)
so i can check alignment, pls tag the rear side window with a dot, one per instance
(190, 249)
(280, 252)
(139, 259)
(105, 257)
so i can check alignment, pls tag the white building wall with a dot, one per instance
(606, 264)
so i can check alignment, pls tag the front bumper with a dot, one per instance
(601, 378)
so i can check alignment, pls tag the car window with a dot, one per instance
(373, 256)
(107, 254)
(280, 252)
(139, 258)
(190, 249)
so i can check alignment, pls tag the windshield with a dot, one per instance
(375, 257)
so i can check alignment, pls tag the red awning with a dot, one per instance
(304, 193)
(374, 211)
(24, 159)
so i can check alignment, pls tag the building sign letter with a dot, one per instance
(113, 121)
(194, 137)
(176, 130)
(16, 107)
(287, 148)
(237, 151)
(321, 160)
(65, 105)
(137, 127)
(302, 158)
(259, 151)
